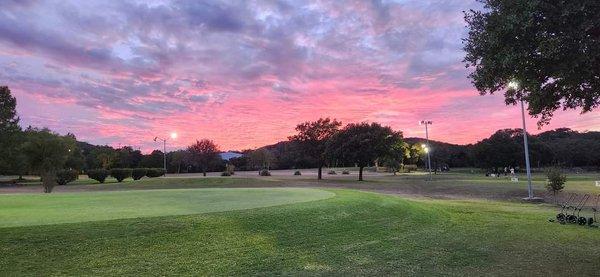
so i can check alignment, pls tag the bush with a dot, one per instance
(154, 172)
(264, 172)
(138, 173)
(225, 173)
(98, 174)
(297, 173)
(556, 181)
(346, 172)
(120, 173)
(66, 176)
(331, 172)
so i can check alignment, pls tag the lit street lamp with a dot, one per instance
(173, 136)
(426, 146)
(514, 85)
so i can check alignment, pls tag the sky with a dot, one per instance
(244, 73)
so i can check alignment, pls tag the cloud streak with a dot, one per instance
(243, 74)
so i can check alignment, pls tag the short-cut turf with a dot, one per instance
(353, 233)
(39, 209)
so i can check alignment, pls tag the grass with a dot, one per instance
(353, 233)
(38, 209)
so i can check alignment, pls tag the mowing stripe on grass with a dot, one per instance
(42, 209)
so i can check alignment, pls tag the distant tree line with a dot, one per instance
(317, 144)
(561, 147)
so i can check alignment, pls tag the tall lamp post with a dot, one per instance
(426, 147)
(514, 85)
(164, 140)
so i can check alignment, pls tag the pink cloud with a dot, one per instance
(244, 76)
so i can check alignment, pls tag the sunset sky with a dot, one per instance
(244, 73)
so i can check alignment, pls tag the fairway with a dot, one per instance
(353, 233)
(39, 209)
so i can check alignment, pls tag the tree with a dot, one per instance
(76, 160)
(505, 148)
(552, 48)
(362, 144)
(395, 157)
(10, 134)
(126, 157)
(261, 158)
(153, 160)
(46, 153)
(204, 153)
(177, 159)
(556, 181)
(312, 138)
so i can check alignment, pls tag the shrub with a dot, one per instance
(264, 172)
(331, 172)
(346, 172)
(225, 173)
(154, 172)
(120, 173)
(556, 181)
(297, 173)
(66, 176)
(138, 173)
(98, 174)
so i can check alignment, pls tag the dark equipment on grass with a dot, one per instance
(595, 208)
(561, 217)
(580, 219)
(575, 207)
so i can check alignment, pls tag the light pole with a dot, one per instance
(426, 147)
(515, 86)
(164, 140)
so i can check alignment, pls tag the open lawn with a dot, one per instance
(458, 184)
(351, 233)
(26, 209)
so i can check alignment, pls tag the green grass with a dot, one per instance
(353, 233)
(37, 209)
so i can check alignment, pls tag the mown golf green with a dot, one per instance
(351, 233)
(38, 209)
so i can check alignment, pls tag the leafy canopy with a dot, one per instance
(552, 48)
(363, 143)
(313, 136)
(203, 153)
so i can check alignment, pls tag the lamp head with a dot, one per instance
(514, 85)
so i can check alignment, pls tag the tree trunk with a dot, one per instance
(204, 172)
(360, 171)
(48, 181)
(320, 174)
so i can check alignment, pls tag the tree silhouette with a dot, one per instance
(312, 139)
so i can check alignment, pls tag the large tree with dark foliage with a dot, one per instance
(47, 153)
(10, 132)
(572, 148)
(505, 149)
(362, 144)
(312, 138)
(153, 160)
(203, 154)
(552, 48)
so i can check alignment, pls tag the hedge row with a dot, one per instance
(123, 173)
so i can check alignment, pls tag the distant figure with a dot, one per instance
(512, 171)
